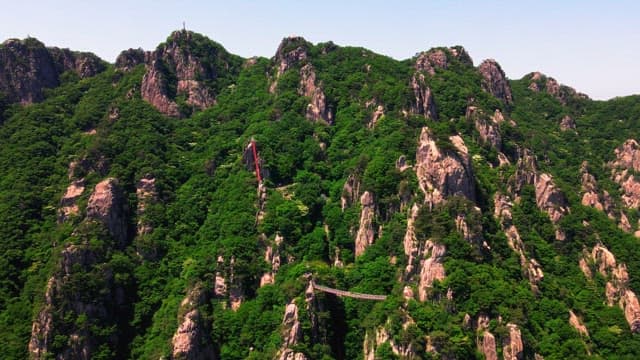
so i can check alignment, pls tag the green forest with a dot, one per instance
(208, 263)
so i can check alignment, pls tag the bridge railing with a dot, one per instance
(350, 294)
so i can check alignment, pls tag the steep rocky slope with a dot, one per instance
(185, 203)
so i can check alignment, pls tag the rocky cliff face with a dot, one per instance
(184, 66)
(317, 109)
(616, 289)
(146, 195)
(530, 267)
(366, 233)
(564, 94)
(190, 341)
(80, 344)
(272, 257)
(129, 59)
(627, 163)
(69, 201)
(291, 328)
(63, 292)
(106, 205)
(591, 194)
(440, 58)
(443, 173)
(494, 81)
(350, 192)
(291, 333)
(384, 334)
(549, 198)
(487, 128)
(577, 324)
(424, 103)
(512, 347)
(226, 283)
(27, 67)
(291, 51)
(485, 340)
(432, 268)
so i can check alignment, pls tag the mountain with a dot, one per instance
(326, 203)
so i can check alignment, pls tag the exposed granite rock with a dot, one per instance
(549, 198)
(291, 334)
(424, 104)
(291, 51)
(629, 302)
(382, 335)
(42, 327)
(577, 324)
(317, 109)
(129, 59)
(525, 173)
(431, 60)
(146, 194)
(107, 206)
(154, 89)
(628, 155)
(469, 225)
(624, 224)
(487, 129)
(226, 283)
(375, 116)
(567, 123)
(190, 341)
(432, 268)
(512, 347)
(411, 245)
(83, 64)
(192, 70)
(443, 173)
(487, 346)
(63, 295)
(350, 191)
(272, 257)
(627, 163)
(564, 94)
(530, 266)
(591, 196)
(497, 117)
(494, 81)
(440, 58)
(617, 286)
(27, 67)
(68, 203)
(366, 234)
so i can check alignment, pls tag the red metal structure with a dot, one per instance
(256, 160)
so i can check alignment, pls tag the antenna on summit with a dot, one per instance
(184, 26)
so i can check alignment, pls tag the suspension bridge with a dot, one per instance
(351, 294)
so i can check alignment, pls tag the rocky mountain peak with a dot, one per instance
(188, 65)
(443, 173)
(292, 50)
(540, 82)
(128, 59)
(440, 58)
(494, 81)
(27, 67)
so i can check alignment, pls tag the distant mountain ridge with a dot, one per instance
(493, 218)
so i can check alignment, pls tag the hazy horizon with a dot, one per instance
(588, 45)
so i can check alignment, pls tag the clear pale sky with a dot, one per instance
(593, 46)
